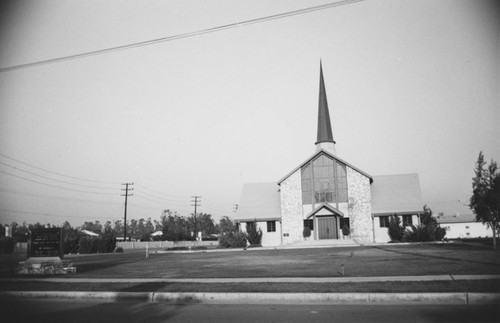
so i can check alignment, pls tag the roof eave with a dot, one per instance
(330, 155)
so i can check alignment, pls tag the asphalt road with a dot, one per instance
(93, 312)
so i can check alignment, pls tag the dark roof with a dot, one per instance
(324, 124)
(396, 194)
(259, 201)
(322, 151)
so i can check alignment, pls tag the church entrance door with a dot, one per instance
(327, 228)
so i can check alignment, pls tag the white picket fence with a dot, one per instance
(163, 244)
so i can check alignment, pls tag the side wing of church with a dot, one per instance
(327, 194)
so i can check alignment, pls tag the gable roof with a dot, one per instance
(322, 151)
(327, 207)
(396, 194)
(259, 201)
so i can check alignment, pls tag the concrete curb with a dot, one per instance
(266, 298)
(322, 280)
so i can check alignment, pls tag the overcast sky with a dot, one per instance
(413, 87)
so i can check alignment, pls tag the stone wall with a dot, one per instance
(291, 208)
(360, 211)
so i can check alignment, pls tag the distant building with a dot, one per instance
(458, 220)
(326, 193)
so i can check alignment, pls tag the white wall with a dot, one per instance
(382, 234)
(466, 230)
(269, 239)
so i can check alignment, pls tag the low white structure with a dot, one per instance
(458, 220)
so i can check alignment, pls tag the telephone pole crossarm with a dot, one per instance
(127, 194)
(196, 201)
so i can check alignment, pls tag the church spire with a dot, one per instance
(325, 137)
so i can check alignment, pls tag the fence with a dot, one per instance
(164, 244)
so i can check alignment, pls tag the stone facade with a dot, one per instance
(359, 209)
(291, 208)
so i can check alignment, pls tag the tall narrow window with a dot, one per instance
(306, 173)
(324, 180)
(309, 224)
(271, 226)
(384, 221)
(407, 220)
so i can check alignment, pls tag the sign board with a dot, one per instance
(46, 243)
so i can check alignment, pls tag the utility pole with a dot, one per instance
(126, 189)
(196, 202)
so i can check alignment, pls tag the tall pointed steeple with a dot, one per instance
(325, 137)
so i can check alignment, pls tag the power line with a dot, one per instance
(181, 36)
(55, 180)
(159, 201)
(59, 198)
(55, 186)
(56, 173)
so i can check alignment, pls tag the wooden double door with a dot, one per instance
(328, 227)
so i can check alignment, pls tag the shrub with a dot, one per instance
(119, 250)
(423, 233)
(86, 245)
(107, 243)
(233, 240)
(396, 230)
(345, 230)
(307, 232)
(7, 245)
(253, 234)
(70, 245)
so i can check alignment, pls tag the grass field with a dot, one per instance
(367, 261)
(387, 260)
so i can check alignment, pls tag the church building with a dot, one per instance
(326, 193)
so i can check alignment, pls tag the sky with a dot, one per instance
(413, 87)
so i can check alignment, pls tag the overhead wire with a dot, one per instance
(56, 173)
(56, 180)
(180, 36)
(55, 186)
(59, 198)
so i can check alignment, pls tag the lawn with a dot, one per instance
(387, 260)
(366, 261)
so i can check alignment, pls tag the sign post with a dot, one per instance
(46, 243)
(45, 253)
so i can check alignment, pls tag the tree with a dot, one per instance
(253, 234)
(428, 230)
(226, 225)
(118, 228)
(485, 199)
(396, 229)
(205, 223)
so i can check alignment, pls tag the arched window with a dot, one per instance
(324, 180)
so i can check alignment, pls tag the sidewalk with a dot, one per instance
(368, 298)
(257, 280)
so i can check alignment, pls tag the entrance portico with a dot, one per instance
(326, 219)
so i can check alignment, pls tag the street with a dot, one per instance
(92, 312)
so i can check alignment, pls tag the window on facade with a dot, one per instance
(344, 221)
(309, 224)
(407, 220)
(250, 225)
(324, 180)
(384, 221)
(271, 226)
(306, 175)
